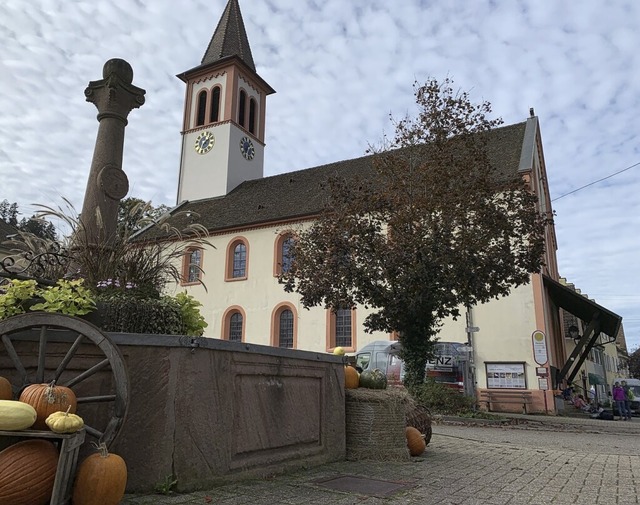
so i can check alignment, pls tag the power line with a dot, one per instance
(596, 182)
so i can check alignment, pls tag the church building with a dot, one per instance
(515, 343)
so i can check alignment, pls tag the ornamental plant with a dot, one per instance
(193, 321)
(126, 276)
(14, 297)
(69, 297)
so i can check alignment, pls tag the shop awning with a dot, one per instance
(581, 307)
(598, 320)
(595, 379)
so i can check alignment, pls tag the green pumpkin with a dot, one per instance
(373, 379)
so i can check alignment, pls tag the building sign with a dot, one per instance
(543, 384)
(505, 376)
(539, 347)
(442, 363)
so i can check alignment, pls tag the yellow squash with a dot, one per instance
(15, 415)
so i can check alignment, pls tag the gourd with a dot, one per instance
(27, 473)
(5, 389)
(64, 422)
(47, 399)
(15, 415)
(415, 441)
(101, 479)
(373, 379)
(351, 377)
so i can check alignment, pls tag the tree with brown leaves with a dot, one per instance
(434, 229)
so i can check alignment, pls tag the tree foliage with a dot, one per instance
(134, 213)
(434, 229)
(41, 228)
(634, 364)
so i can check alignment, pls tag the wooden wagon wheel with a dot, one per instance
(43, 327)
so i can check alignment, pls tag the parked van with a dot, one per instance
(634, 387)
(383, 354)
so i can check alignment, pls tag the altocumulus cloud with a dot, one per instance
(339, 69)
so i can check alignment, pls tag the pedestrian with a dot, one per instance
(628, 395)
(619, 397)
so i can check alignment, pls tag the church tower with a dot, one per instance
(224, 115)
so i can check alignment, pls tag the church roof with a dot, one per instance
(229, 38)
(301, 194)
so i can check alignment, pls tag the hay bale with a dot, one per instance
(375, 423)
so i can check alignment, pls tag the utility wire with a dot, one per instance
(596, 182)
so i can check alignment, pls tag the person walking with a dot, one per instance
(627, 398)
(619, 396)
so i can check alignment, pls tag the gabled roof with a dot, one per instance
(230, 38)
(300, 194)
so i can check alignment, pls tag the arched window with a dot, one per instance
(341, 329)
(235, 327)
(284, 326)
(242, 108)
(283, 254)
(214, 114)
(237, 259)
(202, 108)
(192, 266)
(252, 116)
(233, 324)
(285, 330)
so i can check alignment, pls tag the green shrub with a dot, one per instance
(193, 322)
(134, 315)
(66, 297)
(441, 399)
(14, 297)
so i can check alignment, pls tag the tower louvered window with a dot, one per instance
(202, 108)
(214, 115)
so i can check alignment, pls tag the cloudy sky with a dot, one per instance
(339, 69)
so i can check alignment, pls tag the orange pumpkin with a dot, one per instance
(351, 377)
(415, 441)
(5, 389)
(27, 473)
(47, 399)
(101, 479)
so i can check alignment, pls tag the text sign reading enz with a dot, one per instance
(442, 362)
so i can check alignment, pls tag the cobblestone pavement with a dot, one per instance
(537, 463)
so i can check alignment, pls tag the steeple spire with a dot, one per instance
(230, 38)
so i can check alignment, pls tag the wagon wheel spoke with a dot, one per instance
(13, 356)
(84, 375)
(68, 357)
(96, 399)
(42, 354)
(93, 432)
(32, 340)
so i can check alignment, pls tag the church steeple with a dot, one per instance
(230, 38)
(224, 114)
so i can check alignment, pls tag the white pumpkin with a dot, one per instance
(63, 422)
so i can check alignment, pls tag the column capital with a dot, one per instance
(114, 95)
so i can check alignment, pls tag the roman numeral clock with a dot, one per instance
(204, 142)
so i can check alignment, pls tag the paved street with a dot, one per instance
(566, 463)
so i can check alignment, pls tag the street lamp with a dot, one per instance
(573, 332)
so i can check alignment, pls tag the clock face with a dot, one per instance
(204, 142)
(246, 148)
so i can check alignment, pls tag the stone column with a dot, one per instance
(114, 96)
